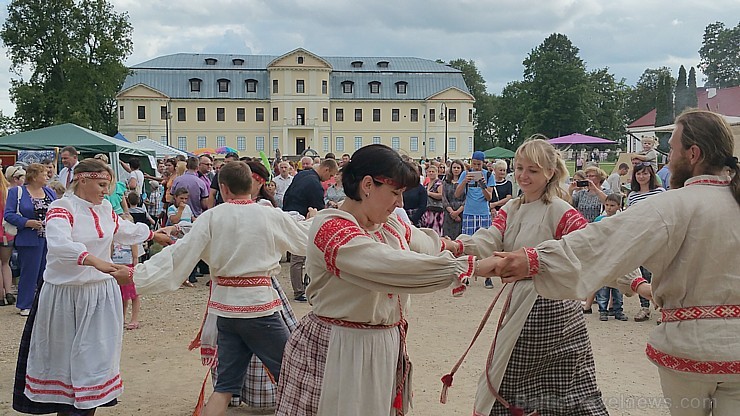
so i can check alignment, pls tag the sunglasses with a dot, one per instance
(645, 164)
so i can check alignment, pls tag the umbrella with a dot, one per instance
(204, 150)
(498, 153)
(225, 149)
(578, 138)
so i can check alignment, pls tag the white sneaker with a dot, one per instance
(24, 312)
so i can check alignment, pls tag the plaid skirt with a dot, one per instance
(471, 223)
(551, 368)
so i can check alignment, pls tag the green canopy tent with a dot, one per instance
(498, 153)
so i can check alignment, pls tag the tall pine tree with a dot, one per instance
(692, 100)
(664, 101)
(681, 92)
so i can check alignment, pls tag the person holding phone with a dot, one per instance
(477, 186)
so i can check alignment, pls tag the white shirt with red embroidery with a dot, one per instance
(359, 275)
(689, 239)
(75, 228)
(242, 242)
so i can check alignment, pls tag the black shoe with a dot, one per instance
(621, 317)
(603, 316)
(10, 299)
(301, 299)
(2, 302)
(489, 283)
(587, 311)
(611, 312)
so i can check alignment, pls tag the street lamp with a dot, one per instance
(443, 115)
(168, 124)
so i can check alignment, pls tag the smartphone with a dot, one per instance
(475, 175)
(582, 184)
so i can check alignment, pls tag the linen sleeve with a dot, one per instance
(166, 270)
(129, 233)
(350, 254)
(59, 223)
(486, 240)
(583, 261)
(294, 233)
(420, 240)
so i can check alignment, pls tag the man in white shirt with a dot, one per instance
(282, 182)
(69, 159)
(614, 180)
(136, 176)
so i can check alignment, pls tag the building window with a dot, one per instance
(201, 142)
(395, 143)
(220, 141)
(211, 61)
(432, 144)
(260, 141)
(326, 143)
(414, 114)
(181, 114)
(251, 85)
(358, 142)
(357, 64)
(300, 86)
(325, 114)
(140, 138)
(376, 140)
(347, 87)
(358, 114)
(220, 114)
(275, 142)
(374, 87)
(324, 87)
(201, 114)
(141, 113)
(470, 115)
(401, 87)
(376, 114)
(241, 114)
(300, 116)
(259, 114)
(340, 144)
(452, 115)
(223, 85)
(432, 115)
(182, 143)
(241, 143)
(120, 112)
(237, 61)
(274, 86)
(340, 114)
(163, 140)
(275, 114)
(414, 144)
(300, 60)
(163, 113)
(395, 114)
(195, 84)
(382, 64)
(470, 144)
(452, 144)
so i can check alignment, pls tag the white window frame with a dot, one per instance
(241, 143)
(413, 144)
(340, 144)
(452, 144)
(470, 144)
(275, 142)
(396, 143)
(220, 141)
(325, 140)
(259, 143)
(140, 138)
(182, 143)
(358, 142)
(202, 142)
(376, 140)
(163, 140)
(432, 144)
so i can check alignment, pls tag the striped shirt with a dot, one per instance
(635, 197)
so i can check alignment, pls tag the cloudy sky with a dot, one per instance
(625, 35)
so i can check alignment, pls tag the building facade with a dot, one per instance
(298, 101)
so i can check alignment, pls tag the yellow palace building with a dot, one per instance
(298, 101)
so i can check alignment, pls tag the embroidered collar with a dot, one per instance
(240, 201)
(708, 180)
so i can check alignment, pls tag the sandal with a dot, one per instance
(187, 284)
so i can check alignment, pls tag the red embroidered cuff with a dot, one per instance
(533, 260)
(458, 291)
(637, 282)
(443, 246)
(469, 272)
(460, 248)
(82, 257)
(151, 235)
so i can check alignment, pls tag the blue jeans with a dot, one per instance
(602, 299)
(647, 275)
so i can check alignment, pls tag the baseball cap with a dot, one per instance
(478, 155)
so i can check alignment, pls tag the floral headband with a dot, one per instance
(258, 178)
(93, 175)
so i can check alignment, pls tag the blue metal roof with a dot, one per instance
(170, 74)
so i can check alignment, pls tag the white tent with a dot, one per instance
(161, 150)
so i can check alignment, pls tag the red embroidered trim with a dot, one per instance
(332, 235)
(533, 259)
(443, 246)
(691, 366)
(394, 233)
(387, 181)
(97, 223)
(151, 236)
(458, 291)
(461, 246)
(637, 282)
(571, 221)
(701, 312)
(72, 395)
(258, 178)
(408, 232)
(82, 257)
(69, 386)
(500, 222)
(115, 219)
(720, 182)
(244, 281)
(241, 201)
(60, 213)
(246, 309)
(469, 271)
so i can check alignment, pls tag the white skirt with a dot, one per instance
(75, 350)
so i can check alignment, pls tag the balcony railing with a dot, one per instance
(300, 122)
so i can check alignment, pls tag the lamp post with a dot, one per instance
(443, 114)
(167, 124)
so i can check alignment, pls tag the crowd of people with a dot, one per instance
(363, 233)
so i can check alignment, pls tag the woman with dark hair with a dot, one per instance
(453, 206)
(415, 197)
(260, 177)
(363, 262)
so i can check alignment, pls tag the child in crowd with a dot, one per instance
(154, 203)
(178, 213)
(58, 188)
(612, 205)
(648, 153)
(137, 211)
(129, 256)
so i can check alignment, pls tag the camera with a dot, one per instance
(582, 184)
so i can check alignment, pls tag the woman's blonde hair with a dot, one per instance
(180, 168)
(538, 151)
(4, 185)
(91, 165)
(598, 171)
(34, 170)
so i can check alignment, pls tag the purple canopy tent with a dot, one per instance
(578, 138)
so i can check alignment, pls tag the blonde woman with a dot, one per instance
(6, 250)
(541, 346)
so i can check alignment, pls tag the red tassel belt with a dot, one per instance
(240, 281)
(701, 312)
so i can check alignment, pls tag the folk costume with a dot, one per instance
(541, 357)
(71, 345)
(348, 356)
(696, 282)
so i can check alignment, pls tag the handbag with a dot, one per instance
(9, 228)
(435, 205)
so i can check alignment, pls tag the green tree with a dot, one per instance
(681, 92)
(664, 101)
(74, 52)
(641, 98)
(604, 104)
(692, 100)
(484, 102)
(720, 55)
(557, 84)
(7, 125)
(511, 115)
